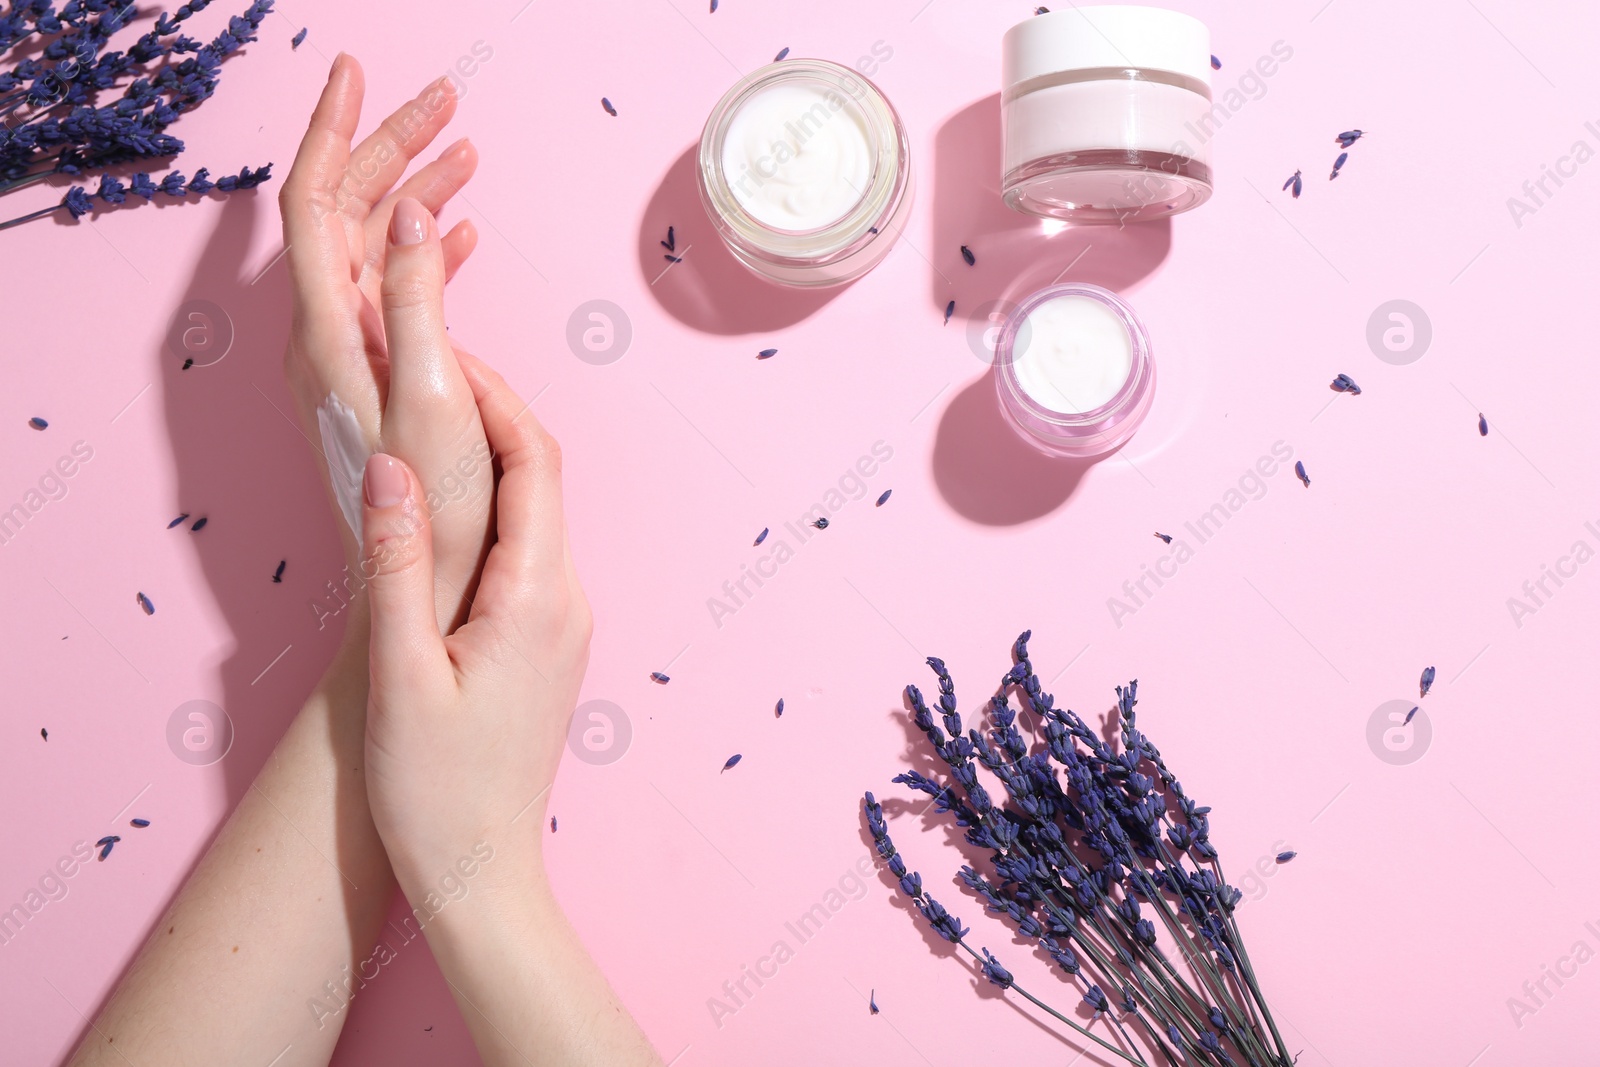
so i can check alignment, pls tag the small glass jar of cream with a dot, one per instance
(806, 172)
(1105, 114)
(1074, 370)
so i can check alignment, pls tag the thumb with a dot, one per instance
(397, 565)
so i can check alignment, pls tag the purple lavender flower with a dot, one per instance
(1428, 675)
(994, 972)
(77, 202)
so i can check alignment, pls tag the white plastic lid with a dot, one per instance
(1084, 38)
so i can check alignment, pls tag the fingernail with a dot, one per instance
(385, 481)
(453, 149)
(409, 224)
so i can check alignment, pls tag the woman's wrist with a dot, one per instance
(487, 879)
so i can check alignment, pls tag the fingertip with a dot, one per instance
(459, 243)
(385, 481)
(410, 224)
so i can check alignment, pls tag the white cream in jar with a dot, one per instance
(796, 156)
(1073, 354)
(1074, 370)
(805, 170)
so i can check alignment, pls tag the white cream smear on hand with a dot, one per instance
(346, 450)
(797, 157)
(1077, 357)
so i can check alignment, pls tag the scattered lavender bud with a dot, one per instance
(1338, 163)
(713, 7)
(199, 524)
(883, 498)
(766, 353)
(949, 310)
(778, 711)
(104, 845)
(605, 102)
(1483, 425)
(1348, 138)
(670, 258)
(179, 521)
(187, 363)
(733, 760)
(872, 997)
(1285, 857)
(671, 243)
(300, 37)
(277, 575)
(822, 523)
(1041, 11)
(659, 678)
(1300, 472)
(44, 733)
(1428, 674)
(1346, 384)
(966, 254)
(1295, 183)
(782, 54)
(144, 602)
(1216, 64)
(141, 823)
(762, 536)
(37, 423)
(552, 824)
(1167, 538)
(1409, 716)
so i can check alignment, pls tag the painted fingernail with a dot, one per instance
(385, 481)
(409, 224)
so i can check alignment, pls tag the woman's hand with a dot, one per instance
(368, 267)
(464, 732)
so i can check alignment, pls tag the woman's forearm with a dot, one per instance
(254, 958)
(524, 983)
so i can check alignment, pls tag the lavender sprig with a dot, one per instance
(951, 929)
(79, 201)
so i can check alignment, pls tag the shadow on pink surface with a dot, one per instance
(1016, 254)
(709, 290)
(987, 472)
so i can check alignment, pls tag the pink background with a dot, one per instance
(1423, 897)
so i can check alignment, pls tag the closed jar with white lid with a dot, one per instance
(1106, 113)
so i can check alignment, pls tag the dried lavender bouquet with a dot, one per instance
(57, 71)
(1089, 868)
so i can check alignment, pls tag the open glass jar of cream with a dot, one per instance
(1074, 370)
(1106, 113)
(806, 172)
